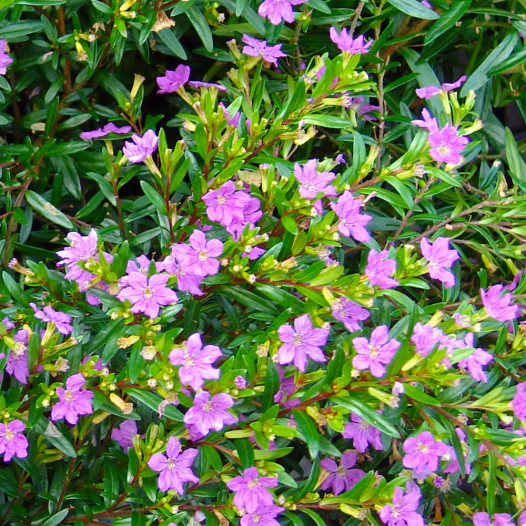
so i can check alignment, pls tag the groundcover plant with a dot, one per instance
(262, 262)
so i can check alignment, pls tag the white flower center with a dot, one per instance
(297, 340)
(68, 396)
(203, 256)
(207, 407)
(148, 293)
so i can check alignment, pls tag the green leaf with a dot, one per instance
(310, 483)
(491, 488)
(369, 415)
(480, 76)
(245, 451)
(329, 121)
(153, 196)
(514, 158)
(18, 30)
(271, 386)
(447, 20)
(414, 8)
(201, 26)
(168, 38)
(55, 437)
(46, 209)
(290, 224)
(420, 396)
(153, 401)
(14, 289)
(56, 519)
(309, 431)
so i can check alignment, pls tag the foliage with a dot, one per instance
(287, 294)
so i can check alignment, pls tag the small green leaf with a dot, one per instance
(290, 224)
(514, 158)
(414, 8)
(420, 396)
(368, 414)
(309, 431)
(201, 26)
(245, 450)
(447, 20)
(55, 437)
(56, 519)
(153, 401)
(153, 196)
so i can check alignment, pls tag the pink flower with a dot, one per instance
(73, 400)
(352, 223)
(17, 361)
(5, 59)
(226, 204)
(423, 453)
(173, 80)
(198, 84)
(402, 512)
(475, 361)
(251, 492)
(259, 48)
(348, 44)
(12, 442)
(174, 467)
(263, 516)
(497, 306)
(425, 338)
(313, 182)
(379, 268)
(209, 413)
(428, 92)
(349, 313)
(429, 123)
(300, 342)
(196, 361)
(125, 433)
(147, 294)
(446, 145)
(61, 320)
(518, 403)
(278, 10)
(481, 518)
(376, 353)
(200, 256)
(106, 130)
(362, 434)
(439, 257)
(342, 478)
(186, 280)
(141, 147)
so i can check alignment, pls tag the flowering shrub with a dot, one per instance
(287, 291)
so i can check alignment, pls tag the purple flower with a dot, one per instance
(250, 490)
(259, 48)
(263, 516)
(352, 223)
(198, 84)
(147, 294)
(300, 342)
(17, 361)
(61, 320)
(481, 518)
(278, 10)
(363, 109)
(428, 92)
(209, 413)
(439, 257)
(226, 205)
(186, 281)
(423, 453)
(252, 213)
(475, 361)
(174, 467)
(81, 248)
(234, 120)
(402, 512)
(518, 403)
(313, 182)
(446, 145)
(497, 306)
(12, 442)
(342, 478)
(429, 123)
(348, 44)
(376, 353)
(73, 400)
(125, 433)
(106, 130)
(200, 256)
(349, 313)
(5, 59)
(379, 269)
(362, 434)
(141, 147)
(425, 338)
(173, 80)
(196, 361)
